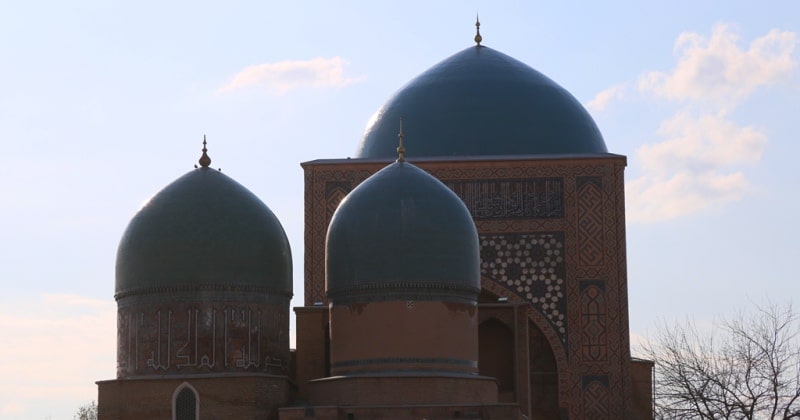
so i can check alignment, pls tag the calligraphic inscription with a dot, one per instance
(512, 198)
(202, 338)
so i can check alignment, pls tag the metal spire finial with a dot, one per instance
(478, 37)
(401, 151)
(205, 160)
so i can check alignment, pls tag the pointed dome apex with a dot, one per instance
(478, 37)
(481, 102)
(204, 161)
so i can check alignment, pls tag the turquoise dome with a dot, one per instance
(481, 102)
(204, 231)
(402, 235)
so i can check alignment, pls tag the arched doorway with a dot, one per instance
(543, 376)
(496, 356)
(534, 381)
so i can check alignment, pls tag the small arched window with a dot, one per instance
(185, 404)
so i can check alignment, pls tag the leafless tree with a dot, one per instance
(747, 367)
(87, 412)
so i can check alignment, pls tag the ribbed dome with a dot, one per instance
(480, 102)
(204, 231)
(402, 234)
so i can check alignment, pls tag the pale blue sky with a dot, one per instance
(103, 103)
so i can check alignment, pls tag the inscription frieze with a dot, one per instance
(512, 198)
(158, 339)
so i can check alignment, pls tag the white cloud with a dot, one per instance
(284, 76)
(717, 69)
(656, 198)
(13, 408)
(696, 167)
(54, 349)
(601, 101)
(702, 142)
(700, 160)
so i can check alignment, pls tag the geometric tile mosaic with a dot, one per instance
(531, 265)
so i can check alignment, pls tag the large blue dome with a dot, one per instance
(481, 102)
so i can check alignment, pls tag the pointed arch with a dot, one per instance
(496, 356)
(542, 326)
(534, 315)
(185, 403)
(544, 375)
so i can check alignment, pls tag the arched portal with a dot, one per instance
(536, 368)
(496, 356)
(543, 376)
(537, 373)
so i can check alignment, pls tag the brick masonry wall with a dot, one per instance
(232, 397)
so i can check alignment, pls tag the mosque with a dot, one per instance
(469, 262)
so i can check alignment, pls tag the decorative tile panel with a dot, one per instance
(532, 266)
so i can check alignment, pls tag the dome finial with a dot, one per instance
(478, 37)
(205, 160)
(401, 151)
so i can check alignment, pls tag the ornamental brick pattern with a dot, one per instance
(595, 399)
(591, 243)
(594, 337)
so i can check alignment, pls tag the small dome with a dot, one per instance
(204, 231)
(480, 102)
(402, 235)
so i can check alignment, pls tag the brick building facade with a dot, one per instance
(553, 312)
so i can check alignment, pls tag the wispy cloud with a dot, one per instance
(601, 101)
(696, 167)
(57, 345)
(284, 76)
(657, 198)
(700, 158)
(12, 408)
(701, 143)
(716, 69)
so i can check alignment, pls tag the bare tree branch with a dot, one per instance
(746, 367)
(87, 412)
